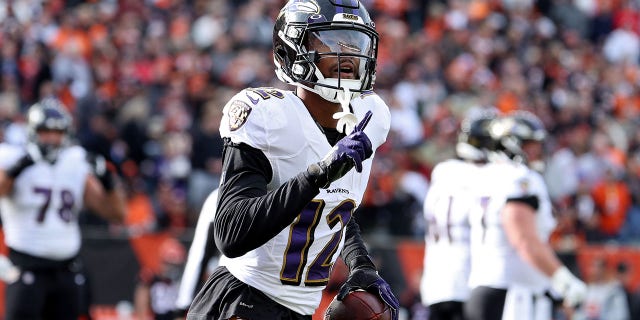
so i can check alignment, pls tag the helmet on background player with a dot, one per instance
(475, 139)
(49, 114)
(518, 129)
(343, 29)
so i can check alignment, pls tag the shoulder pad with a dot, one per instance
(523, 184)
(9, 154)
(76, 151)
(75, 155)
(378, 128)
(442, 168)
(252, 113)
(454, 171)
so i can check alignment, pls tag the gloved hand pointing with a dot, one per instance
(349, 152)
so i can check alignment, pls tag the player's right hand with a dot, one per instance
(572, 289)
(349, 152)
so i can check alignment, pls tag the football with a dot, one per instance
(358, 305)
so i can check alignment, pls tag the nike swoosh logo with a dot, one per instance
(254, 101)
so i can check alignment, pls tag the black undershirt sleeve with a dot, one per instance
(248, 216)
(530, 200)
(354, 247)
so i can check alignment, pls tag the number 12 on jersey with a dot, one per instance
(301, 237)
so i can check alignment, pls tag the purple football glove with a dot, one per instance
(369, 280)
(350, 151)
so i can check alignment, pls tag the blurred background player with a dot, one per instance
(606, 297)
(444, 286)
(202, 257)
(525, 144)
(295, 169)
(43, 187)
(511, 258)
(155, 294)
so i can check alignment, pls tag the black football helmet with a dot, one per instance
(48, 114)
(341, 27)
(475, 139)
(516, 129)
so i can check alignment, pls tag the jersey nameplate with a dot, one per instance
(238, 114)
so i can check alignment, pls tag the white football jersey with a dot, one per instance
(191, 272)
(40, 215)
(446, 211)
(495, 262)
(293, 267)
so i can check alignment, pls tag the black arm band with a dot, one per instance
(17, 168)
(530, 200)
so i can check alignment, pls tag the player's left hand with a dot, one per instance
(369, 280)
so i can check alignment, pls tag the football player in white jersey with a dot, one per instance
(511, 258)
(43, 186)
(295, 167)
(443, 286)
(201, 254)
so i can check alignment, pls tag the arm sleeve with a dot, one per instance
(355, 254)
(525, 189)
(530, 200)
(248, 216)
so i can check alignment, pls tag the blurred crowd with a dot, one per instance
(147, 79)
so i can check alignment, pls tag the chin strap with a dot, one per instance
(346, 120)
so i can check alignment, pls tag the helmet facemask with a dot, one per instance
(47, 117)
(354, 51)
(49, 150)
(308, 35)
(475, 140)
(348, 53)
(515, 132)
